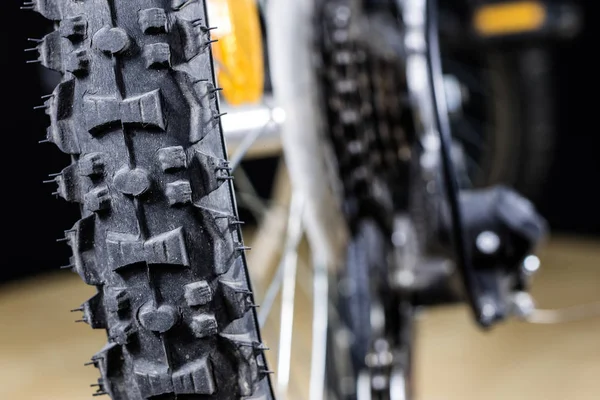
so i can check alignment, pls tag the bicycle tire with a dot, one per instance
(524, 113)
(137, 110)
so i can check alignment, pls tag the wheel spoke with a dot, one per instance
(289, 263)
(267, 303)
(247, 143)
(466, 75)
(247, 194)
(293, 236)
(467, 133)
(268, 117)
(319, 332)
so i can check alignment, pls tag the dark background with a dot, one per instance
(33, 219)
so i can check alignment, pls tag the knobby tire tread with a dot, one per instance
(159, 236)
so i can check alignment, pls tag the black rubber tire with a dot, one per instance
(523, 113)
(159, 236)
(517, 141)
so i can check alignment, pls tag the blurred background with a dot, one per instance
(42, 351)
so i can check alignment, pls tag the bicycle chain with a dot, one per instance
(366, 123)
(369, 127)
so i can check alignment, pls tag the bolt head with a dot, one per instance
(488, 310)
(487, 242)
(531, 264)
(522, 304)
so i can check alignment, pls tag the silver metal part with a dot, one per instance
(288, 290)
(487, 242)
(293, 237)
(263, 120)
(290, 41)
(420, 91)
(319, 330)
(488, 309)
(454, 94)
(531, 264)
(522, 305)
(568, 314)
(398, 386)
(343, 340)
(406, 254)
(381, 356)
(377, 317)
(363, 386)
(384, 376)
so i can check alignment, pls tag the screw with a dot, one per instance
(487, 242)
(488, 310)
(531, 264)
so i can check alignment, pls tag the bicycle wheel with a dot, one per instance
(138, 112)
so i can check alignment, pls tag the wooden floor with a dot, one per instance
(42, 351)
